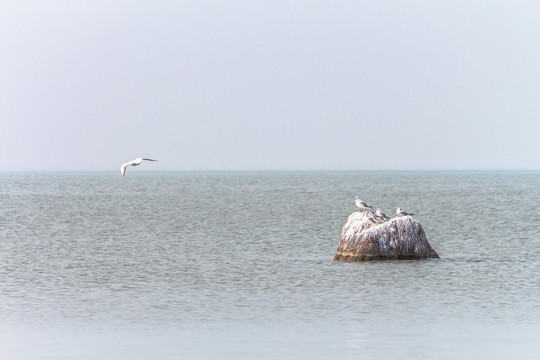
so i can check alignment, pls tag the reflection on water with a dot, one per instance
(213, 265)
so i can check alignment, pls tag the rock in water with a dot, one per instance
(370, 237)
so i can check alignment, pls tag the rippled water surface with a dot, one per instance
(239, 266)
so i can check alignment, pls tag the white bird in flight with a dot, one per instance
(400, 212)
(362, 204)
(136, 162)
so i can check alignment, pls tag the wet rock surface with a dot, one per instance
(366, 236)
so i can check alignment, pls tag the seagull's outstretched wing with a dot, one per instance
(124, 166)
(136, 162)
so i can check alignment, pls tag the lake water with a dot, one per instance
(186, 265)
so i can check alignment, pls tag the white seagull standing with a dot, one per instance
(380, 213)
(371, 220)
(136, 162)
(400, 212)
(362, 205)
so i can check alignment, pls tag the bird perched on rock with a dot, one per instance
(380, 213)
(400, 212)
(362, 204)
(370, 219)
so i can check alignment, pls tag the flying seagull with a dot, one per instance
(136, 162)
(362, 205)
(400, 212)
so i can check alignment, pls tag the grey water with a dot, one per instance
(226, 265)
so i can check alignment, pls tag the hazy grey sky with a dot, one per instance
(241, 85)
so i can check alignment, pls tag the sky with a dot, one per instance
(270, 85)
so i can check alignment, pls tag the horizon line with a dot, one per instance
(277, 170)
